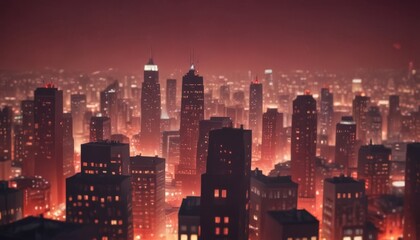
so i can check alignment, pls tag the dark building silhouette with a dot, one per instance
(412, 193)
(170, 149)
(269, 194)
(360, 108)
(189, 219)
(171, 97)
(101, 193)
(150, 110)
(28, 128)
(11, 203)
(6, 122)
(374, 125)
(326, 116)
(344, 207)
(271, 135)
(205, 127)
(290, 224)
(148, 184)
(225, 187)
(303, 150)
(374, 166)
(224, 94)
(192, 112)
(394, 118)
(255, 109)
(100, 129)
(109, 107)
(68, 145)
(120, 138)
(49, 139)
(345, 143)
(78, 109)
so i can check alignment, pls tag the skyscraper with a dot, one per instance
(344, 207)
(225, 187)
(345, 143)
(49, 139)
(100, 129)
(109, 108)
(272, 130)
(374, 167)
(28, 128)
(78, 109)
(6, 121)
(148, 184)
(192, 112)
(360, 108)
(394, 118)
(303, 150)
(374, 125)
(150, 110)
(255, 109)
(412, 193)
(326, 115)
(171, 97)
(11, 203)
(68, 145)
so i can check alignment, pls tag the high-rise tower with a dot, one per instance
(360, 108)
(255, 109)
(272, 129)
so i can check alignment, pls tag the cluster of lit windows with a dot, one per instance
(348, 195)
(303, 238)
(220, 193)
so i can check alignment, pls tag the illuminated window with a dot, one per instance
(194, 237)
(313, 238)
(338, 195)
(216, 193)
(184, 237)
(117, 198)
(113, 222)
(217, 231)
(224, 193)
(225, 231)
(226, 219)
(217, 219)
(346, 238)
(92, 188)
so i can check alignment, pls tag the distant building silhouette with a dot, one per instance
(100, 128)
(171, 97)
(255, 109)
(78, 109)
(11, 203)
(360, 109)
(345, 143)
(6, 122)
(272, 130)
(108, 104)
(189, 219)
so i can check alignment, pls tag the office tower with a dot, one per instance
(100, 129)
(345, 143)
(6, 121)
(150, 110)
(18, 145)
(270, 93)
(326, 116)
(303, 150)
(272, 130)
(101, 193)
(189, 219)
(255, 109)
(192, 112)
(224, 94)
(48, 140)
(412, 193)
(374, 125)
(374, 167)
(78, 109)
(225, 187)
(11, 203)
(360, 108)
(124, 113)
(356, 86)
(28, 128)
(170, 150)
(68, 145)
(171, 97)
(148, 186)
(269, 194)
(344, 207)
(36, 194)
(394, 118)
(108, 104)
(290, 224)
(205, 127)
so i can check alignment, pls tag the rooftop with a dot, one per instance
(190, 206)
(293, 216)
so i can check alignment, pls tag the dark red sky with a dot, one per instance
(225, 34)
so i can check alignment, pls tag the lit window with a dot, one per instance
(225, 231)
(313, 238)
(226, 219)
(217, 231)
(194, 237)
(113, 222)
(184, 237)
(216, 193)
(338, 195)
(216, 219)
(224, 193)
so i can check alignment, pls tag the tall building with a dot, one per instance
(374, 166)
(170, 149)
(269, 194)
(255, 109)
(303, 150)
(11, 203)
(374, 125)
(78, 109)
(148, 185)
(109, 107)
(394, 118)
(412, 193)
(360, 108)
(6, 121)
(150, 110)
(101, 193)
(48, 141)
(272, 130)
(291, 224)
(345, 143)
(326, 116)
(99, 129)
(225, 187)
(205, 127)
(28, 128)
(270, 93)
(344, 207)
(192, 112)
(68, 145)
(171, 97)
(189, 219)
(224, 94)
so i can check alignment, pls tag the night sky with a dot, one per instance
(226, 35)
